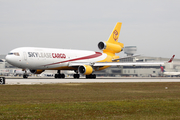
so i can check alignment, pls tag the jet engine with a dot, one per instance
(36, 71)
(85, 69)
(109, 47)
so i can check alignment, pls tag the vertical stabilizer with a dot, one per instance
(171, 59)
(115, 33)
(162, 69)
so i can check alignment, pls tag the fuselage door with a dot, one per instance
(25, 56)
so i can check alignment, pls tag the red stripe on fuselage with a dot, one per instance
(97, 54)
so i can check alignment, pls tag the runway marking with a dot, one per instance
(71, 81)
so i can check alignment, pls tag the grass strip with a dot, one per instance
(137, 101)
(127, 109)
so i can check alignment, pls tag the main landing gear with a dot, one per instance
(91, 76)
(25, 76)
(76, 76)
(59, 75)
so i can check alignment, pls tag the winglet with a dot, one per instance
(171, 59)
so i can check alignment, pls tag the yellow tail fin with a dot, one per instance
(115, 34)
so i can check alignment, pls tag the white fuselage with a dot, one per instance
(171, 73)
(49, 58)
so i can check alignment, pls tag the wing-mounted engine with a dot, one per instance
(85, 69)
(110, 47)
(36, 71)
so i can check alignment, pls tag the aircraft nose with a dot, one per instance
(11, 60)
(14, 59)
(8, 58)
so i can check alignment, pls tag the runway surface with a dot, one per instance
(39, 80)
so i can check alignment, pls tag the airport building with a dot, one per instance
(143, 70)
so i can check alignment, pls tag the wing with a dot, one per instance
(126, 63)
(100, 64)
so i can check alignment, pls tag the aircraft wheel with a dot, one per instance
(76, 76)
(62, 76)
(25, 76)
(91, 76)
(59, 76)
(56, 76)
(94, 76)
(87, 76)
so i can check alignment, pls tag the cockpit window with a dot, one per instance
(15, 53)
(10, 53)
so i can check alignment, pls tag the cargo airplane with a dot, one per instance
(82, 62)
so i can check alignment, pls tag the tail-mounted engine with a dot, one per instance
(36, 71)
(85, 69)
(110, 47)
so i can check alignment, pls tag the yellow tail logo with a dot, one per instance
(115, 35)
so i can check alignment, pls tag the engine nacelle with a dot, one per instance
(36, 71)
(85, 69)
(111, 47)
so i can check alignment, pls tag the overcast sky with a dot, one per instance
(153, 26)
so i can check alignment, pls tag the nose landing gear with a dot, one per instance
(25, 75)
